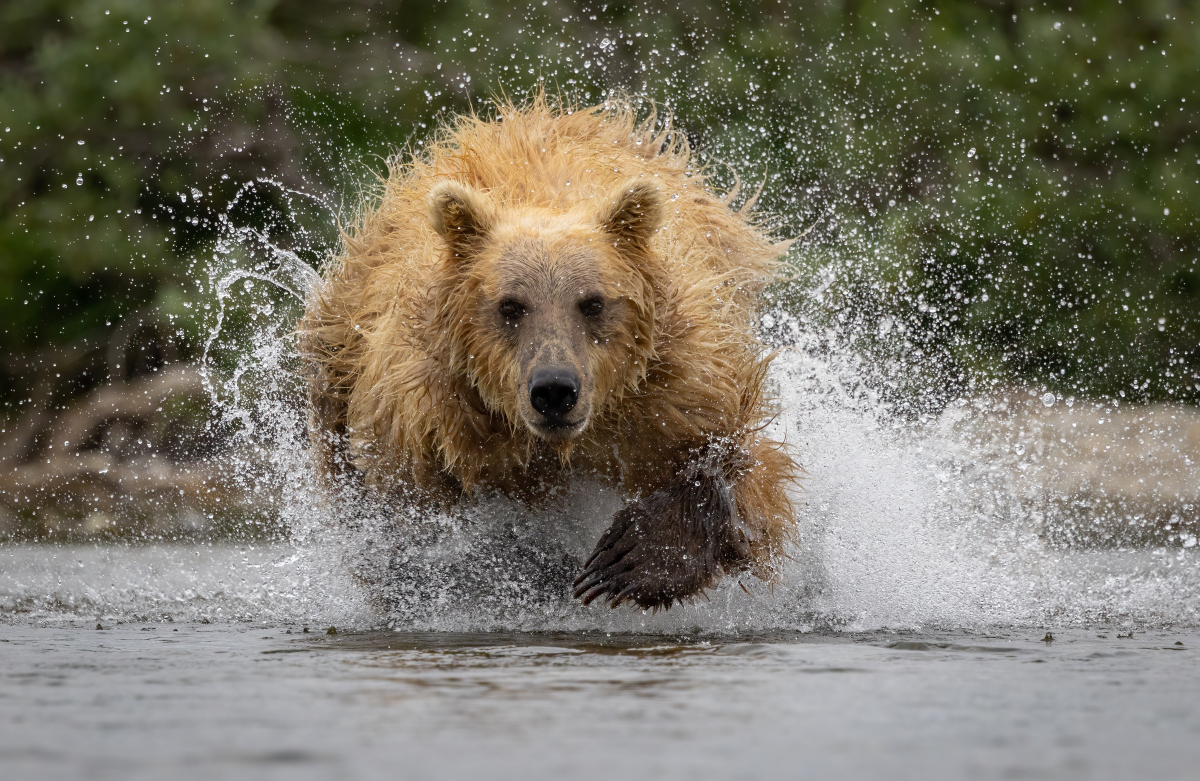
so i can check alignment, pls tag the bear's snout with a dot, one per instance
(553, 392)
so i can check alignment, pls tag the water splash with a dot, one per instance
(906, 522)
(901, 528)
(246, 254)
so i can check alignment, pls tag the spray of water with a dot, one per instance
(906, 521)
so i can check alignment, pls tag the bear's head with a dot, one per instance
(547, 314)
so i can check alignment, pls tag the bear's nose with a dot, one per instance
(553, 392)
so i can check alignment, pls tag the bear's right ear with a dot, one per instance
(461, 215)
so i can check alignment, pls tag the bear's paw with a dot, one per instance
(669, 546)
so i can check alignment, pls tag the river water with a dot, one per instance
(893, 647)
(191, 700)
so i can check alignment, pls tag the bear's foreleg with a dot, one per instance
(725, 511)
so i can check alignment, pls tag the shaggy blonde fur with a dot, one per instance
(409, 392)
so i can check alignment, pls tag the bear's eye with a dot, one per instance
(511, 309)
(591, 307)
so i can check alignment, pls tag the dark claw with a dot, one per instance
(595, 573)
(608, 540)
(623, 596)
(591, 595)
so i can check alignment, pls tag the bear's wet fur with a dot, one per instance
(557, 289)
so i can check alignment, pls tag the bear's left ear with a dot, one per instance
(461, 215)
(633, 212)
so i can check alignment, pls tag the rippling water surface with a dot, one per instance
(211, 661)
(190, 700)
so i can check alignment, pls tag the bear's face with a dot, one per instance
(550, 314)
(554, 314)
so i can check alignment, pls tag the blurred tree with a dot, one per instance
(107, 160)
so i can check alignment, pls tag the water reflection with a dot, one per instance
(192, 700)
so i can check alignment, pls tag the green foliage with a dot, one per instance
(998, 192)
(95, 104)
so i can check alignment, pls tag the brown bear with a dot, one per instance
(557, 290)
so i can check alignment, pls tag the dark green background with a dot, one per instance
(999, 193)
